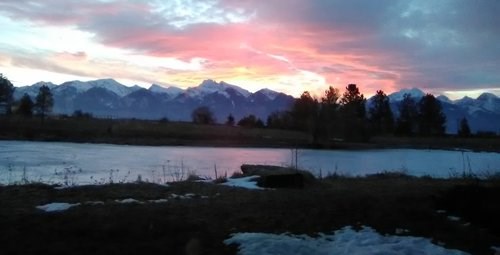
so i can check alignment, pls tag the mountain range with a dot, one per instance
(109, 99)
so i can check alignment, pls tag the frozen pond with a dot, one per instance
(74, 163)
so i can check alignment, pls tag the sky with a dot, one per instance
(449, 47)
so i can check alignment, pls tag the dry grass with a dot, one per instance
(385, 203)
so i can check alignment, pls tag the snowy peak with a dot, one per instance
(171, 91)
(211, 86)
(112, 85)
(32, 90)
(487, 97)
(109, 84)
(271, 94)
(243, 92)
(44, 83)
(444, 99)
(464, 101)
(413, 92)
(489, 102)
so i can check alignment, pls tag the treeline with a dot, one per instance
(25, 107)
(332, 117)
(346, 116)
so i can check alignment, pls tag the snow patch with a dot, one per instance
(496, 249)
(171, 90)
(400, 231)
(245, 182)
(210, 86)
(344, 241)
(56, 207)
(157, 201)
(399, 96)
(129, 201)
(271, 94)
(185, 196)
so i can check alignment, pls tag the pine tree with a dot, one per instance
(353, 114)
(25, 106)
(381, 116)
(203, 115)
(6, 94)
(431, 119)
(406, 123)
(304, 112)
(230, 120)
(44, 102)
(328, 113)
(464, 129)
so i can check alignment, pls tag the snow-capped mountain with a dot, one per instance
(482, 113)
(109, 84)
(171, 90)
(109, 98)
(271, 94)
(445, 99)
(210, 86)
(413, 92)
(32, 90)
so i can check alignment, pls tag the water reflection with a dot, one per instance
(96, 163)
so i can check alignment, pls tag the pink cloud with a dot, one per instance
(342, 41)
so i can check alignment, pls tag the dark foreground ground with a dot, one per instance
(199, 225)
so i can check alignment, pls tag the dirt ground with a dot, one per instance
(198, 224)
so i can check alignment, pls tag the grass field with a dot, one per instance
(144, 132)
(199, 224)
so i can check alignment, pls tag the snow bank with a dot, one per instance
(129, 201)
(344, 241)
(56, 207)
(245, 182)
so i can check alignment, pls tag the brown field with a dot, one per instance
(144, 132)
(384, 202)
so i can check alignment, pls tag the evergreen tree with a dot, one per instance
(25, 106)
(44, 102)
(6, 94)
(431, 119)
(251, 121)
(464, 129)
(230, 120)
(353, 102)
(381, 117)
(203, 115)
(280, 120)
(305, 113)
(328, 113)
(353, 114)
(406, 123)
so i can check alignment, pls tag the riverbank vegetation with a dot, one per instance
(332, 121)
(146, 132)
(193, 217)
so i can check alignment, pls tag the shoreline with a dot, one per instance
(156, 133)
(347, 146)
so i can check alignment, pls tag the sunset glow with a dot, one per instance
(450, 47)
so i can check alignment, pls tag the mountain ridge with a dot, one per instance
(223, 98)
